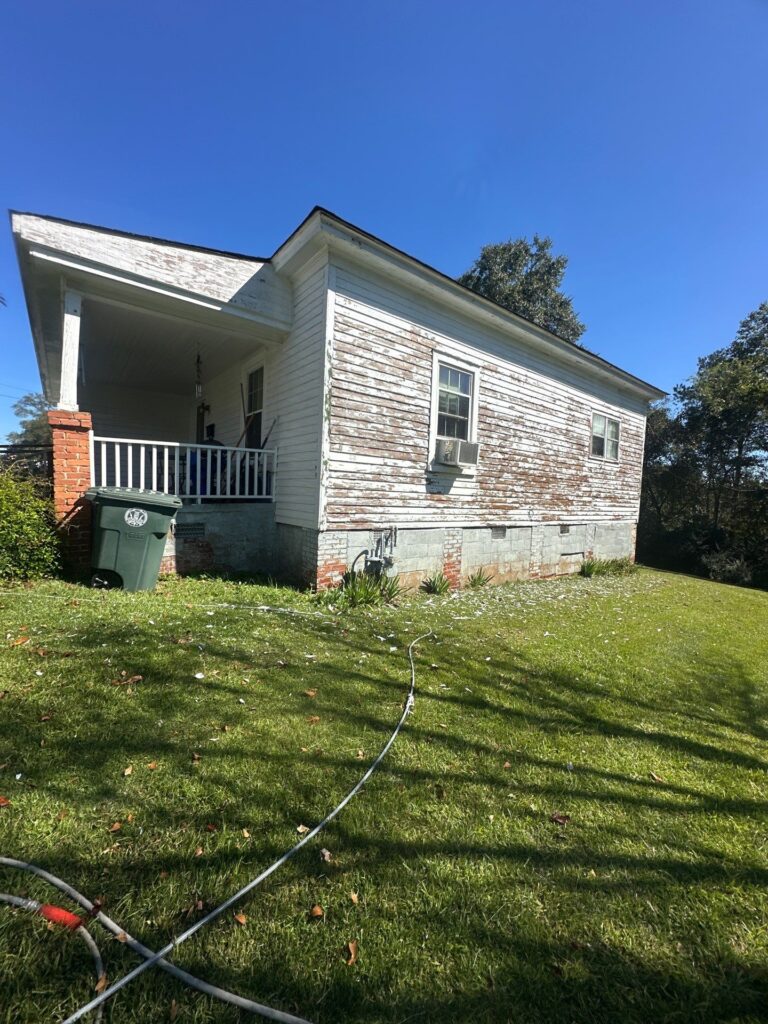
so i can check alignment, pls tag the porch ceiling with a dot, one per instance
(152, 352)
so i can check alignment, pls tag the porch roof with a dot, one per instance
(148, 306)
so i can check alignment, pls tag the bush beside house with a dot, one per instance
(29, 546)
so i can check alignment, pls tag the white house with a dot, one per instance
(363, 407)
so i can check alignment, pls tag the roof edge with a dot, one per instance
(650, 391)
(139, 237)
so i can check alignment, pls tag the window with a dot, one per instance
(454, 403)
(605, 437)
(254, 408)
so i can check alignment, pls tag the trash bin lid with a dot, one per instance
(134, 496)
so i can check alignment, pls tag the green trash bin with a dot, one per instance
(129, 531)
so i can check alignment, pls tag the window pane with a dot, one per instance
(598, 424)
(613, 430)
(598, 445)
(613, 450)
(444, 374)
(453, 403)
(256, 390)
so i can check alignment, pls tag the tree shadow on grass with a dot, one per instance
(526, 977)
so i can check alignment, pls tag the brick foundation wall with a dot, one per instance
(452, 556)
(71, 478)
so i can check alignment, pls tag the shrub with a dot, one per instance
(359, 589)
(29, 547)
(727, 567)
(478, 579)
(607, 567)
(437, 584)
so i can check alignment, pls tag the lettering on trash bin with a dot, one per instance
(136, 517)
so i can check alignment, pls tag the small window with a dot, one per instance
(564, 528)
(454, 403)
(605, 437)
(254, 408)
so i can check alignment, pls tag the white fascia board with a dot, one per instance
(322, 228)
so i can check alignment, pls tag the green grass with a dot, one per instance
(650, 904)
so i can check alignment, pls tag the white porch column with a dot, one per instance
(70, 347)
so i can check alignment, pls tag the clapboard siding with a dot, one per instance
(293, 400)
(534, 422)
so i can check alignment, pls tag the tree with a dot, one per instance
(705, 486)
(525, 277)
(30, 410)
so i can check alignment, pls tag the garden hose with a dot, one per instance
(158, 958)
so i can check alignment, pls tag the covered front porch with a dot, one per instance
(158, 361)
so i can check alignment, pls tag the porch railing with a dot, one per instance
(196, 472)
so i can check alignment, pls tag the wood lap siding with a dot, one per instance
(534, 423)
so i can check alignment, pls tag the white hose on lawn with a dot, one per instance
(152, 959)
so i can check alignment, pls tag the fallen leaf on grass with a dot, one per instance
(4, 801)
(126, 680)
(350, 952)
(326, 856)
(302, 830)
(19, 641)
(121, 937)
(360, 755)
(507, 764)
(354, 897)
(210, 827)
(246, 833)
(560, 819)
(316, 911)
(153, 765)
(313, 719)
(196, 757)
(240, 918)
(46, 718)
(656, 778)
(128, 770)
(3, 694)
(174, 1011)
(115, 826)
(198, 851)
(310, 693)
(101, 984)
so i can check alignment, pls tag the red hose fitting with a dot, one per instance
(58, 915)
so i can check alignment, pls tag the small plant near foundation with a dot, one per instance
(437, 584)
(363, 589)
(479, 578)
(607, 567)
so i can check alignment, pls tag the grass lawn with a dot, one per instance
(636, 706)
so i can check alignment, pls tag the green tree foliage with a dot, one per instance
(525, 277)
(30, 411)
(28, 544)
(705, 489)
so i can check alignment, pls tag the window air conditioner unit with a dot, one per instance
(454, 452)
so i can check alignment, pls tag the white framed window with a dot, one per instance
(455, 387)
(606, 432)
(454, 402)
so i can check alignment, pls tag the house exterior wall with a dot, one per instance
(534, 424)
(535, 472)
(293, 400)
(119, 411)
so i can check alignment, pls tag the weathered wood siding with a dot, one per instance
(534, 422)
(293, 396)
(250, 285)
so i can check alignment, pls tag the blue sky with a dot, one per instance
(633, 133)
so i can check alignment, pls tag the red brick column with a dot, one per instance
(71, 478)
